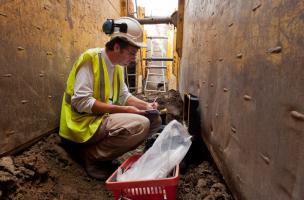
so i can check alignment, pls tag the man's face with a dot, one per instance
(128, 55)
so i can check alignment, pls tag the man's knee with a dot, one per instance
(143, 124)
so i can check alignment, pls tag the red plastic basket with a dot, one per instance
(158, 189)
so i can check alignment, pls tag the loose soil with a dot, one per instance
(46, 171)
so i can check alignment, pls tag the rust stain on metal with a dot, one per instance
(7, 75)
(297, 115)
(256, 7)
(265, 158)
(221, 59)
(24, 101)
(277, 49)
(247, 97)
(239, 55)
(204, 82)
(20, 48)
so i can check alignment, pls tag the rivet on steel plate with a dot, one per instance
(277, 49)
(239, 55)
(230, 25)
(211, 85)
(239, 178)
(247, 97)
(225, 90)
(233, 129)
(10, 132)
(20, 48)
(24, 101)
(256, 7)
(265, 158)
(49, 53)
(3, 14)
(7, 75)
(297, 115)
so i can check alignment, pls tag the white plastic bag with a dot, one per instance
(167, 151)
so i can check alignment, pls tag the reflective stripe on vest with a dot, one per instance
(102, 80)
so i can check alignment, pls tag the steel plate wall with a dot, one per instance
(40, 40)
(245, 61)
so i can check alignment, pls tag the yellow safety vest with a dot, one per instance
(80, 127)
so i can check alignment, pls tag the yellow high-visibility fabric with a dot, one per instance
(80, 127)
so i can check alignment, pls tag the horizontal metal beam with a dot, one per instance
(155, 20)
(158, 59)
(157, 37)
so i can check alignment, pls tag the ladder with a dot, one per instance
(153, 70)
(130, 74)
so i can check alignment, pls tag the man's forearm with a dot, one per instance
(138, 103)
(101, 107)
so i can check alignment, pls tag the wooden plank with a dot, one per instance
(141, 64)
(180, 27)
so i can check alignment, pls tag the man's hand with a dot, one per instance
(140, 104)
(153, 105)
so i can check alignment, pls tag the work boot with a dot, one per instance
(100, 170)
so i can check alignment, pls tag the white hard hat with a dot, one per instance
(133, 32)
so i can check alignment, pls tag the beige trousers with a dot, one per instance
(118, 134)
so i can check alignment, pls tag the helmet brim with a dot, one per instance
(132, 42)
(138, 44)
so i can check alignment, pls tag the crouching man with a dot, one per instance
(99, 116)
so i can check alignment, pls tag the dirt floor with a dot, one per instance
(47, 171)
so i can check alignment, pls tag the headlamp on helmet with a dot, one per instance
(109, 25)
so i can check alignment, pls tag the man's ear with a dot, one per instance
(116, 48)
